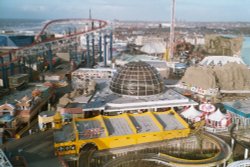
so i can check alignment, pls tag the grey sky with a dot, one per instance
(154, 10)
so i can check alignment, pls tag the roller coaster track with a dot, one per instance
(240, 142)
(143, 157)
(85, 156)
(101, 24)
(221, 157)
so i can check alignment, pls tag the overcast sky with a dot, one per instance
(148, 10)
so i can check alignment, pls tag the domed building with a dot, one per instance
(137, 79)
(133, 87)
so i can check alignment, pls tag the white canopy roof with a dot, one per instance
(154, 48)
(222, 60)
(217, 116)
(191, 113)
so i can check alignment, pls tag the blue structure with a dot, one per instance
(16, 40)
(237, 110)
(11, 65)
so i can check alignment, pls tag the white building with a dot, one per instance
(135, 87)
(196, 40)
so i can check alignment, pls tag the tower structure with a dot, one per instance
(172, 29)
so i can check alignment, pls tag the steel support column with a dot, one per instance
(105, 50)
(88, 51)
(93, 50)
(111, 46)
(50, 59)
(82, 56)
(11, 65)
(100, 47)
(4, 78)
(76, 47)
(30, 68)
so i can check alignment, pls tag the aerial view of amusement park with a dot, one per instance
(106, 83)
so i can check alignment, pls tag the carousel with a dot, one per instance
(215, 119)
(218, 121)
(207, 108)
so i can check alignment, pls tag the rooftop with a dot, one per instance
(106, 100)
(124, 124)
(17, 95)
(240, 107)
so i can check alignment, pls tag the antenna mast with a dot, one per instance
(171, 40)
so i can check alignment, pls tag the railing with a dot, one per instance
(216, 130)
(243, 163)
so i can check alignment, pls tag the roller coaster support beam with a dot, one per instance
(100, 47)
(93, 49)
(105, 50)
(92, 25)
(50, 55)
(82, 56)
(88, 51)
(30, 68)
(11, 65)
(76, 55)
(4, 78)
(111, 46)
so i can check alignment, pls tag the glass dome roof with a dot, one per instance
(137, 79)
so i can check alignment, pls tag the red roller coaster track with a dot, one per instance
(102, 24)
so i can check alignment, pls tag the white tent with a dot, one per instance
(217, 116)
(191, 113)
(154, 48)
(218, 119)
(220, 60)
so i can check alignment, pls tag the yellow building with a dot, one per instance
(107, 132)
(46, 120)
(133, 96)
